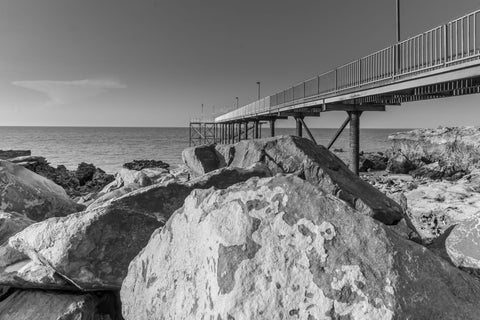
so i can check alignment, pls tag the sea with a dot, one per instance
(110, 147)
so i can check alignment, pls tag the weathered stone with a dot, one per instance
(435, 206)
(399, 163)
(277, 248)
(456, 149)
(161, 200)
(202, 159)
(144, 164)
(90, 249)
(127, 181)
(45, 305)
(9, 154)
(30, 194)
(463, 244)
(372, 162)
(29, 274)
(314, 163)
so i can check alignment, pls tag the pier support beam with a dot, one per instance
(355, 140)
(239, 131)
(272, 127)
(256, 129)
(246, 130)
(298, 121)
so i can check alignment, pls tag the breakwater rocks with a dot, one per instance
(444, 152)
(84, 180)
(273, 228)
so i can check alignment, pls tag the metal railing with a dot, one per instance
(451, 43)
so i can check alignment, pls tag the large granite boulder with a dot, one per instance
(463, 244)
(202, 159)
(45, 305)
(314, 163)
(161, 200)
(278, 248)
(32, 195)
(90, 250)
(455, 149)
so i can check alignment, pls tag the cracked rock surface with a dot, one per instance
(258, 250)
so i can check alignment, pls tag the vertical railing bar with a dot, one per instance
(456, 40)
(468, 35)
(461, 39)
(474, 33)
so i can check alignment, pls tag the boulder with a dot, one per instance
(435, 206)
(372, 161)
(202, 159)
(161, 200)
(314, 163)
(457, 149)
(278, 248)
(43, 305)
(144, 164)
(463, 244)
(91, 250)
(399, 163)
(32, 195)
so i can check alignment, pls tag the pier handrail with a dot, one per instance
(455, 42)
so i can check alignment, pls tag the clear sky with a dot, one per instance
(154, 62)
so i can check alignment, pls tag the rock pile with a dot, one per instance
(444, 152)
(258, 250)
(268, 229)
(85, 180)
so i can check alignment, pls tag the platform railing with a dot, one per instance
(452, 43)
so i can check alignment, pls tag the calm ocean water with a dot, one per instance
(109, 148)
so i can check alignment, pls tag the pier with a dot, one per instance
(441, 62)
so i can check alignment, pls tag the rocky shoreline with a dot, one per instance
(267, 229)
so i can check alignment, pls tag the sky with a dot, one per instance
(154, 62)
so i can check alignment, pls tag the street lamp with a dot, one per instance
(398, 20)
(258, 83)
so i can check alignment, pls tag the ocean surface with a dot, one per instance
(110, 147)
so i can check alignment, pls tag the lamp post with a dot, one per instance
(398, 19)
(258, 83)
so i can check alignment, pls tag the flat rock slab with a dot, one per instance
(277, 248)
(314, 163)
(43, 305)
(30, 194)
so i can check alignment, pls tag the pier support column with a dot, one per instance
(230, 133)
(239, 126)
(355, 140)
(272, 127)
(245, 127)
(298, 121)
(256, 130)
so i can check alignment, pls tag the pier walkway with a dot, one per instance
(441, 62)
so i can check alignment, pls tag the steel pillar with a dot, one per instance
(272, 127)
(246, 130)
(239, 126)
(355, 140)
(256, 130)
(298, 121)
